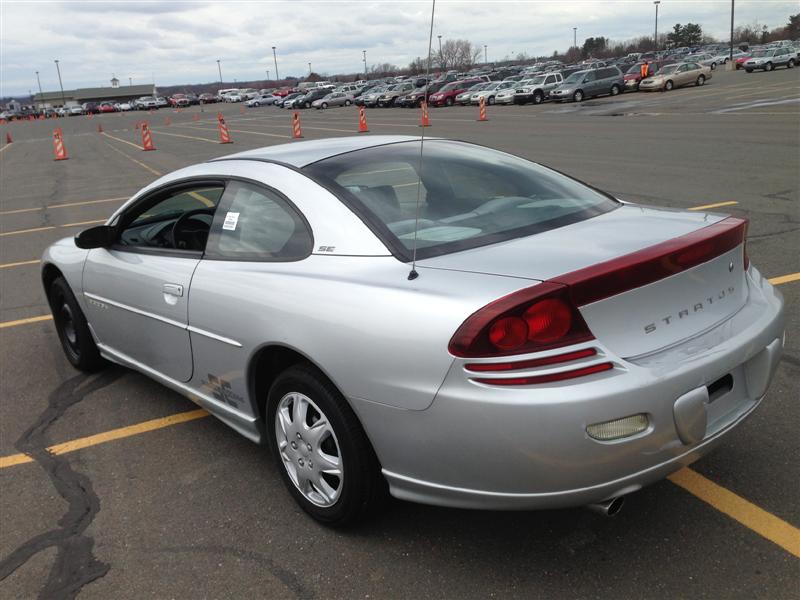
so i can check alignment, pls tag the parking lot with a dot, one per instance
(147, 497)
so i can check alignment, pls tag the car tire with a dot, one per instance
(713, 66)
(347, 103)
(668, 85)
(614, 89)
(538, 97)
(307, 104)
(749, 70)
(449, 102)
(490, 100)
(578, 96)
(790, 64)
(768, 67)
(256, 104)
(324, 105)
(342, 445)
(701, 79)
(72, 328)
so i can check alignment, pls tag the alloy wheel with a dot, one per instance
(309, 449)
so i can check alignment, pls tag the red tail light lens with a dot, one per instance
(533, 319)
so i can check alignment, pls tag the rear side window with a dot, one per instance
(255, 223)
(469, 196)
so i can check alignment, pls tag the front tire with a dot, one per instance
(347, 103)
(490, 100)
(790, 64)
(72, 328)
(668, 86)
(323, 454)
(538, 97)
(449, 102)
(577, 96)
(614, 89)
(768, 67)
(324, 105)
(701, 79)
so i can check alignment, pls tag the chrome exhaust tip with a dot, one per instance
(608, 508)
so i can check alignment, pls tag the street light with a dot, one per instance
(60, 85)
(39, 81)
(275, 58)
(485, 59)
(130, 81)
(365, 63)
(440, 45)
(267, 74)
(655, 35)
(309, 68)
(219, 68)
(731, 56)
(574, 37)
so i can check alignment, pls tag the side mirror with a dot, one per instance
(101, 236)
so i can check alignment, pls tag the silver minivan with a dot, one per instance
(589, 83)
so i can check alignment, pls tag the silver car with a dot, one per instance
(508, 338)
(769, 58)
(333, 99)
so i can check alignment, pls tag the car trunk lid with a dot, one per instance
(644, 279)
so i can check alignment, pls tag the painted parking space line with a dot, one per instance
(108, 436)
(27, 321)
(21, 263)
(756, 519)
(188, 137)
(785, 279)
(129, 157)
(108, 135)
(49, 227)
(239, 131)
(62, 205)
(715, 205)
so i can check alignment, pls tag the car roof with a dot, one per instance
(301, 154)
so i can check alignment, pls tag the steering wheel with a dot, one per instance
(185, 236)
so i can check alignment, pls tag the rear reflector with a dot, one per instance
(618, 428)
(645, 266)
(530, 364)
(550, 377)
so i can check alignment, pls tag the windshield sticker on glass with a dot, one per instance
(231, 220)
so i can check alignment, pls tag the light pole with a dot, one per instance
(364, 52)
(219, 68)
(60, 85)
(275, 58)
(440, 48)
(39, 81)
(267, 74)
(309, 68)
(655, 35)
(731, 56)
(574, 37)
(485, 56)
(130, 81)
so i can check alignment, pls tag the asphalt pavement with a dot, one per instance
(190, 509)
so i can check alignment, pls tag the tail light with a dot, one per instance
(533, 319)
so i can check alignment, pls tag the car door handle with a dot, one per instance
(172, 289)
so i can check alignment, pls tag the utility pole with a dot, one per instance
(731, 56)
(219, 68)
(63, 100)
(485, 56)
(655, 35)
(440, 47)
(574, 37)
(39, 81)
(267, 74)
(275, 58)
(130, 81)
(309, 68)
(365, 63)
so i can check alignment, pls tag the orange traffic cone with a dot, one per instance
(362, 120)
(224, 135)
(425, 120)
(8, 138)
(220, 117)
(297, 133)
(167, 121)
(59, 149)
(482, 110)
(147, 137)
(99, 128)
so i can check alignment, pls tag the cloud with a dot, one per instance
(179, 42)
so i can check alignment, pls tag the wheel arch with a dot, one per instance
(50, 273)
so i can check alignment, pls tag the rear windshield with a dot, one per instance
(469, 196)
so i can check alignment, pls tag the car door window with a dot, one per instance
(176, 219)
(589, 77)
(550, 79)
(256, 223)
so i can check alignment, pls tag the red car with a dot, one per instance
(179, 100)
(106, 107)
(741, 60)
(283, 92)
(633, 75)
(447, 95)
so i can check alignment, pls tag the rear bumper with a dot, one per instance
(491, 447)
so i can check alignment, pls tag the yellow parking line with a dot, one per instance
(21, 231)
(202, 199)
(6, 147)
(20, 264)
(756, 519)
(138, 162)
(108, 436)
(123, 141)
(190, 137)
(62, 205)
(785, 279)
(27, 321)
(716, 205)
(48, 227)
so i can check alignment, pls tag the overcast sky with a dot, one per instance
(179, 42)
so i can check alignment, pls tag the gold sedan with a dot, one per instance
(676, 75)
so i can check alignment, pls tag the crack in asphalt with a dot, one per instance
(75, 565)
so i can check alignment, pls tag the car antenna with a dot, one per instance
(413, 274)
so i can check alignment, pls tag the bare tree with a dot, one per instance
(457, 54)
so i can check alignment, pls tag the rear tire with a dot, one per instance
(790, 64)
(701, 79)
(749, 70)
(347, 103)
(72, 328)
(449, 102)
(538, 97)
(329, 498)
(614, 89)
(490, 100)
(324, 105)
(713, 66)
